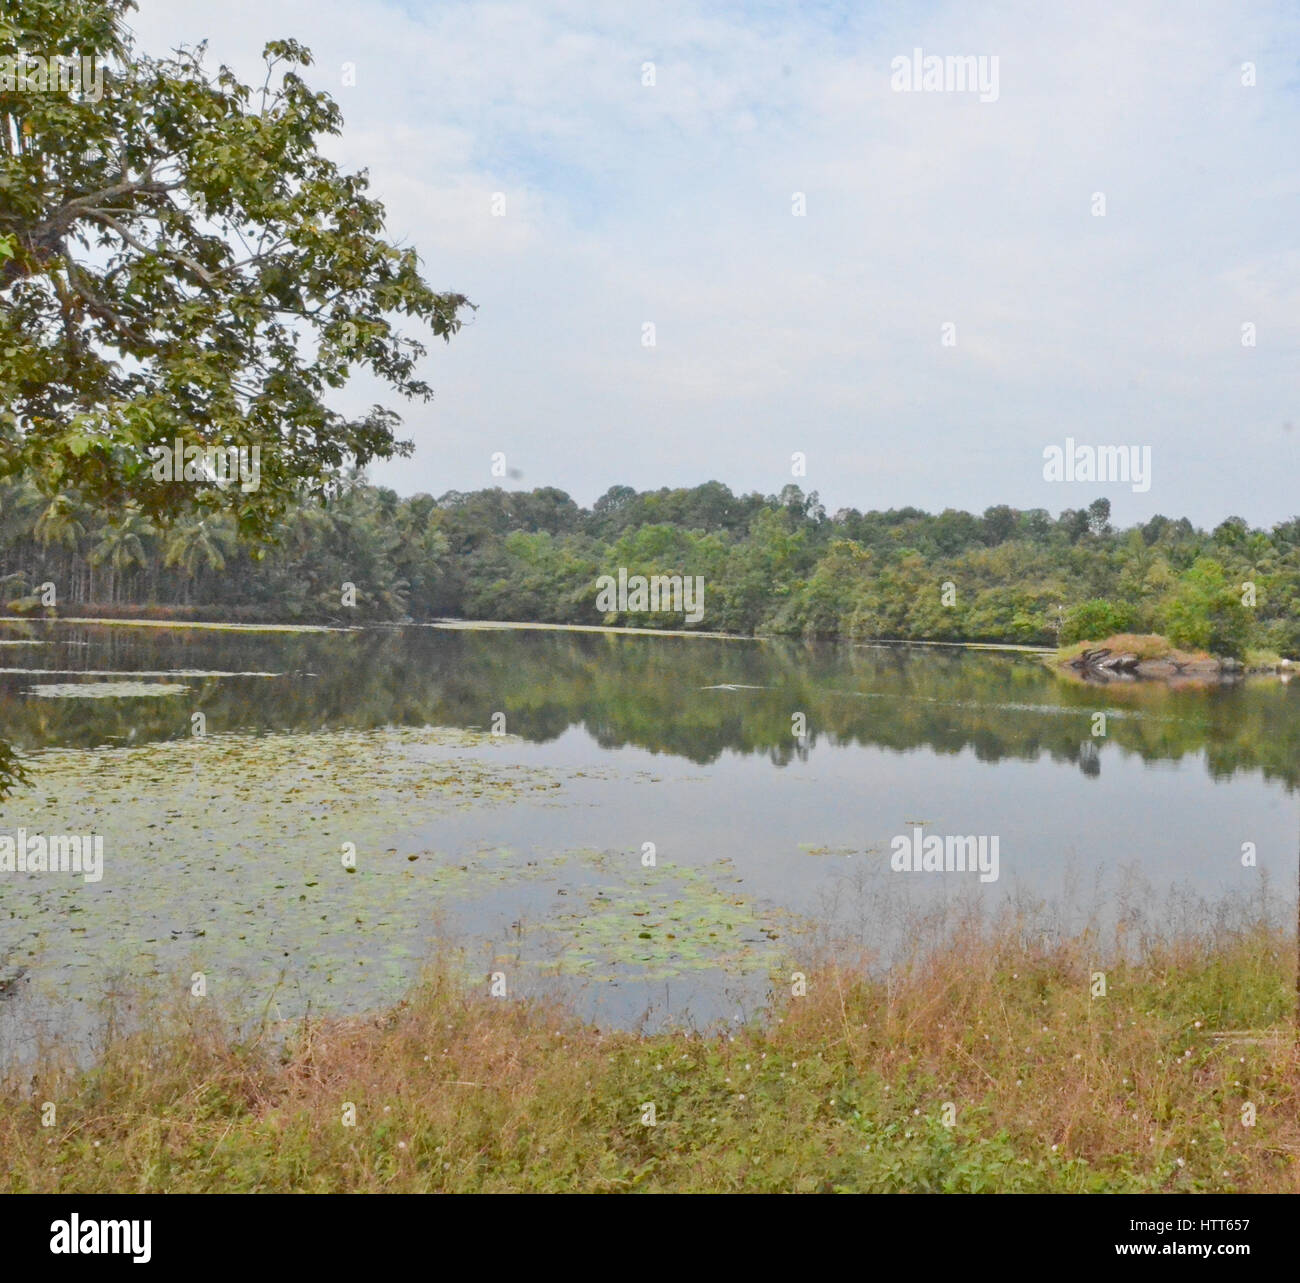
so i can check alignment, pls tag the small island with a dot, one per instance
(1149, 656)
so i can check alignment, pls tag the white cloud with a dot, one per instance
(672, 204)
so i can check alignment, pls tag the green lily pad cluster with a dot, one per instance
(300, 869)
(629, 922)
(231, 853)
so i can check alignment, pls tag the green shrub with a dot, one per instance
(1094, 619)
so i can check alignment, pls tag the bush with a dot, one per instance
(1094, 619)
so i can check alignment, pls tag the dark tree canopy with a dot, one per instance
(179, 261)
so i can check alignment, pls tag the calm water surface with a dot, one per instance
(684, 743)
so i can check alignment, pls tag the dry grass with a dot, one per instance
(1053, 1087)
(1143, 645)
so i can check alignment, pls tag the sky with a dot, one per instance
(949, 299)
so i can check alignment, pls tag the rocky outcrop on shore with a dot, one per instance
(1104, 664)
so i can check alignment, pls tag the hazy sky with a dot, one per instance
(673, 204)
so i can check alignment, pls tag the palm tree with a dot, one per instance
(121, 545)
(60, 524)
(196, 546)
(18, 501)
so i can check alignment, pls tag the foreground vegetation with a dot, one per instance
(775, 564)
(143, 227)
(1054, 1087)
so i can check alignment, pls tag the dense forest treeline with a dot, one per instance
(769, 563)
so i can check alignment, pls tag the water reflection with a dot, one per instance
(816, 757)
(689, 697)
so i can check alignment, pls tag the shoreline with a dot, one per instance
(1162, 669)
(513, 625)
(995, 1066)
(216, 625)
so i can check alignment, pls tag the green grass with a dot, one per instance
(1050, 1087)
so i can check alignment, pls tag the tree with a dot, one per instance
(122, 546)
(60, 523)
(180, 262)
(198, 545)
(610, 510)
(1075, 523)
(951, 531)
(1206, 611)
(834, 591)
(1095, 620)
(1099, 516)
(999, 524)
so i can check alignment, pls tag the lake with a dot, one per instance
(652, 827)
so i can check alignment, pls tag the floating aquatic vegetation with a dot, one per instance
(106, 690)
(133, 673)
(809, 849)
(634, 923)
(228, 851)
(503, 625)
(309, 866)
(206, 626)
